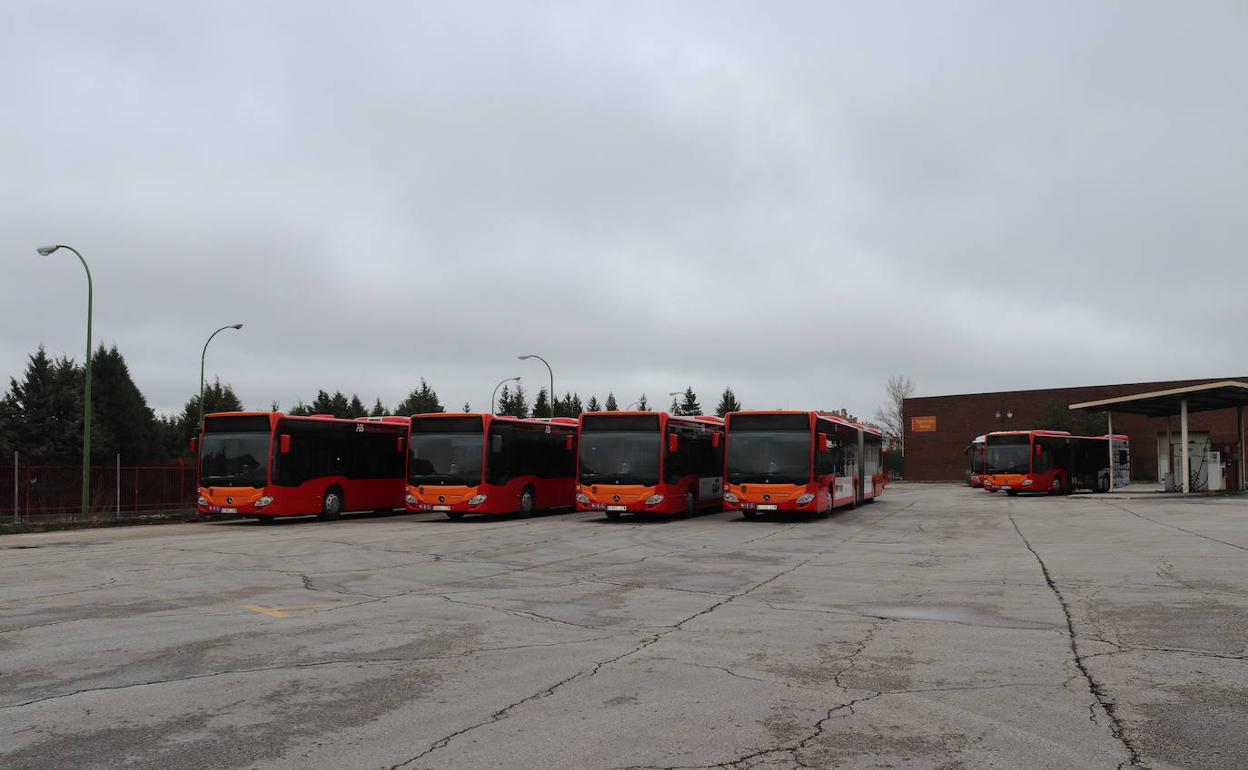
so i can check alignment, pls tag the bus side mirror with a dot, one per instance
(567, 442)
(823, 442)
(195, 445)
(283, 442)
(715, 441)
(673, 442)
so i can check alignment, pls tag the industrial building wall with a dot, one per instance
(948, 423)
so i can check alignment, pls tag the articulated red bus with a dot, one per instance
(649, 462)
(269, 464)
(484, 463)
(800, 461)
(1053, 462)
(975, 451)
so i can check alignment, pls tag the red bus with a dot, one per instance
(975, 451)
(800, 461)
(1053, 462)
(269, 464)
(491, 464)
(649, 462)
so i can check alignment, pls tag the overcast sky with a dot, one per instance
(794, 199)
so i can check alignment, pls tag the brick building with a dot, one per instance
(946, 424)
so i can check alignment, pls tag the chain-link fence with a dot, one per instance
(53, 493)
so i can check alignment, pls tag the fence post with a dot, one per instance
(119, 485)
(17, 519)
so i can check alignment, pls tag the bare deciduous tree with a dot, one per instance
(891, 416)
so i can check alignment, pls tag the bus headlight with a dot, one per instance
(582, 498)
(1028, 482)
(262, 501)
(203, 500)
(806, 498)
(730, 497)
(476, 499)
(654, 499)
(411, 499)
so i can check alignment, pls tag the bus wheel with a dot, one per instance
(528, 503)
(1056, 487)
(750, 515)
(331, 506)
(266, 519)
(1011, 492)
(613, 515)
(691, 503)
(454, 515)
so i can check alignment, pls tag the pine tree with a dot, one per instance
(593, 405)
(611, 405)
(45, 410)
(379, 410)
(675, 407)
(574, 407)
(541, 405)
(356, 408)
(300, 409)
(338, 404)
(642, 404)
(467, 408)
(423, 400)
(322, 404)
(503, 404)
(689, 405)
(517, 405)
(727, 403)
(121, 421)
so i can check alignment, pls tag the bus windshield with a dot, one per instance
(445, 458)
(1008, 454)
(620, 457)
(768, 457)
(235, 459)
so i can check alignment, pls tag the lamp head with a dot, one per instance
(46, 250)
(514, 379)
(236, 326)
(525, 358)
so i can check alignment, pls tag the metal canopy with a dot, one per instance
(1227, 394)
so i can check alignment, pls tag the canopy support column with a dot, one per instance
(1187, 463)
(1110, 416)
(1170, 451)
(1239, 425)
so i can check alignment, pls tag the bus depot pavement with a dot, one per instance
(931, 629)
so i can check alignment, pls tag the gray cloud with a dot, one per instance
(795, 200)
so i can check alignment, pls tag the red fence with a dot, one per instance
(55, 491)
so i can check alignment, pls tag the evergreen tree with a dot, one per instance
(300, 409)
(541, 405)
(44, 410)
(503, 405)
(642, 404)
(727, 403)
(689, 405)
(675, 407)
(322, 404)
(338, 404)
(593, 405)
(574, 407)
(423, 400)
(611, 405)
(121, 421)
(356, 407)
(467, 408)
(379, 410)
(517, 405)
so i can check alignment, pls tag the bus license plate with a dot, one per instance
(229, 510)
(441, 507)
(617, 507)
(765, 507)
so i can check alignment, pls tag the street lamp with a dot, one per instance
(552, 380)
(199, 426)
(86, 389)
(494, 398)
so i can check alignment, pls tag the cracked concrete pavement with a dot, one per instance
(940, 627)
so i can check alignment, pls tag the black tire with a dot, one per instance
(528, 502)
(266, 520)
(613, 515)
(1011, 492)
(749, 515)
(454, 515)
(691, 503)
(332, 505)
(1056, 487)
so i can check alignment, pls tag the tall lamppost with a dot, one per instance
(86, 388)
(552, 380)
(199, 425)
(494, 398)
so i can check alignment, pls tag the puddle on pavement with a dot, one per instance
(953, 615)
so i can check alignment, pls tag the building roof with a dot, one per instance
(1165, 403)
